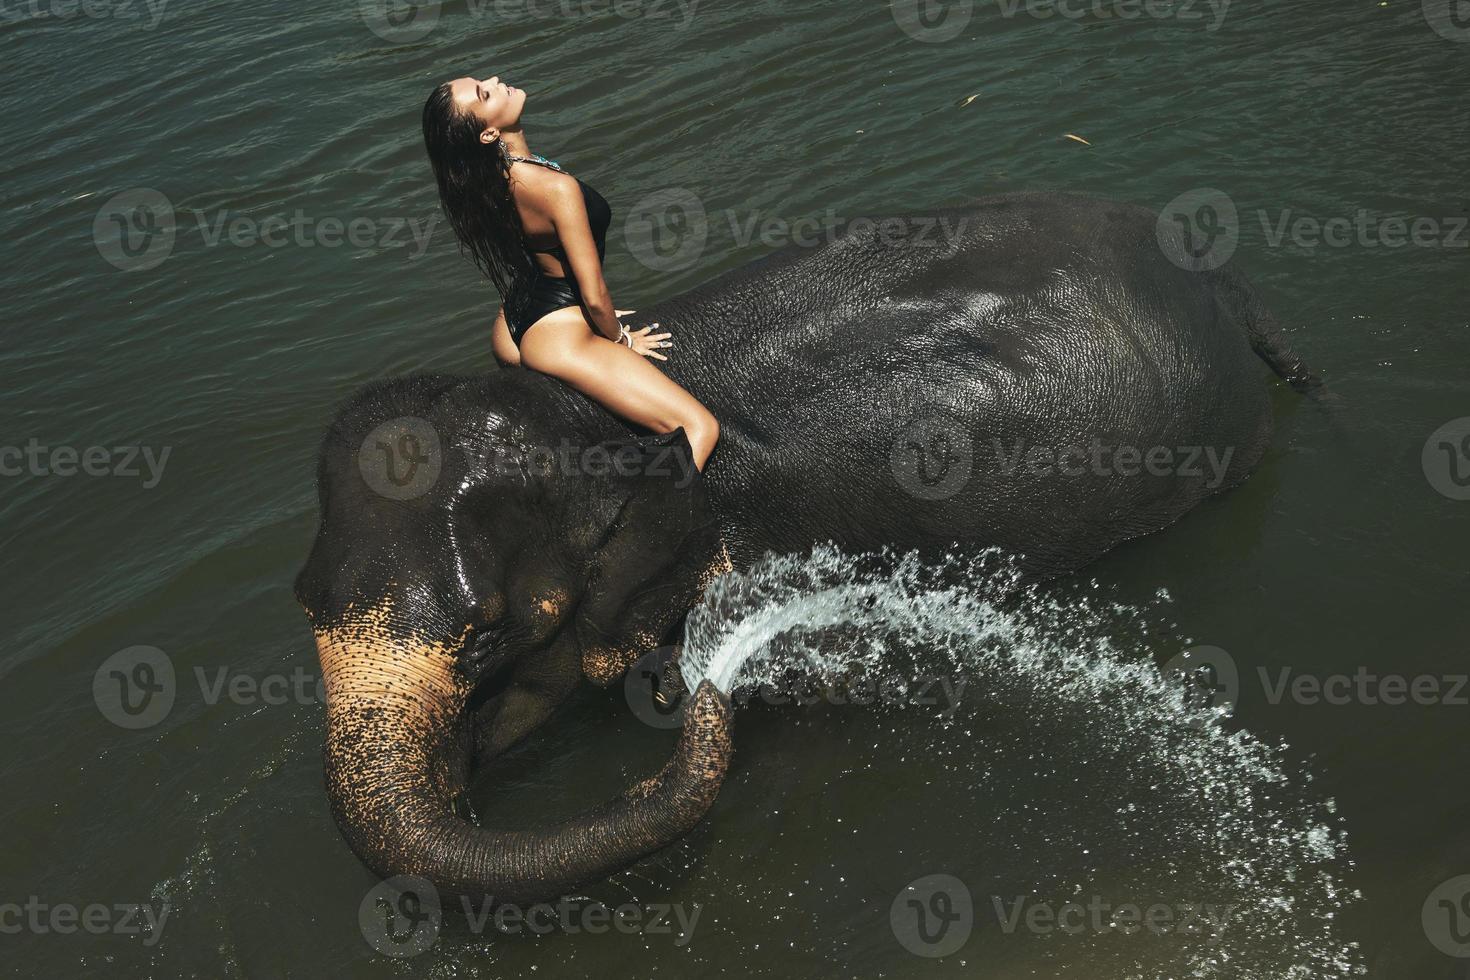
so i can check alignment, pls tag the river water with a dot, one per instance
(282, 246)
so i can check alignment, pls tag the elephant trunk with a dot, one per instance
(395, 755)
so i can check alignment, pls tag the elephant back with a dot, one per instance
(885, 383)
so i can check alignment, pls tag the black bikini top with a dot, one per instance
(599, 214)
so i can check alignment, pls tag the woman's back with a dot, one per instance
(547, 253)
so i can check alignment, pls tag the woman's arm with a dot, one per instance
(569, 218)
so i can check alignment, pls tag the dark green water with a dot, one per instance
(1344, 553)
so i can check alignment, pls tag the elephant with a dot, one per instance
(541, 543)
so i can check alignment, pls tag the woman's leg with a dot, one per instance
(562, 345)
(504, 347)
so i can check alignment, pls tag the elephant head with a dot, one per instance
(484, 545)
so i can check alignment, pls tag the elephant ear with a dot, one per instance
(659, 548)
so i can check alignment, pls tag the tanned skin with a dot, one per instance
(579, 345)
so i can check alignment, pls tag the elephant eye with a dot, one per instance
(485, 642)
(487, 657)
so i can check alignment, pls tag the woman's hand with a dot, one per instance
(648, 344)
(644, 342)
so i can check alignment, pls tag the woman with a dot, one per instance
(540, 234)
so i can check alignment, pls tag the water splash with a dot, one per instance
(1125, 790)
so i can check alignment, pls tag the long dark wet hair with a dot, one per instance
(474, 190)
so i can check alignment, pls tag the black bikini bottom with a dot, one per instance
(545, 294)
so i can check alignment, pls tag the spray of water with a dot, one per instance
(1131, 790)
